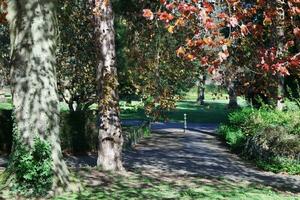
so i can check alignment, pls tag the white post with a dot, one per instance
(185, 123)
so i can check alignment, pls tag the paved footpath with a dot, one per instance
(197, 152)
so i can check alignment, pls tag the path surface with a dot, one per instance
(200, 153)
(197, 152)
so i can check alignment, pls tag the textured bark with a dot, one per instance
(110, 134)
(201, 89)
(280, 26)
(33, 77)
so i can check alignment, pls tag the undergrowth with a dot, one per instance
(269, 137)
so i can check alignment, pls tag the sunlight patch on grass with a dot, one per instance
(137, 186)
(6, 106)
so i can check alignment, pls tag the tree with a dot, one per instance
(280, 33)
(148, 66)
(34, 84)
(76, 61)
(4, 46)
(76, 57)
(220, 25)
(110, 133)
(201, 89)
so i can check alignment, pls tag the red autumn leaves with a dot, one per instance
(205, 21)
(3, 7)
(178, 13)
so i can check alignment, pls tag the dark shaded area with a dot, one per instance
(78, 132)
(6, 126)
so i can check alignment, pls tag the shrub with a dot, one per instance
(233, 136)
(279, 164)
(134, 134)
(269, 137)
(32, 169)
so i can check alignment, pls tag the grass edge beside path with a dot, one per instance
(140, 185)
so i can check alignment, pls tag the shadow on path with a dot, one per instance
(196, 153)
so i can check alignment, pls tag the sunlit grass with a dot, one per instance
(6, 106)
(214, 111)
(137, 186)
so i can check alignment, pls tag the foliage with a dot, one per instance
(268, 136)
(249, 42)
(32, 168)
(279, 164)
(148, 66)
(76, 57)
(233, 136)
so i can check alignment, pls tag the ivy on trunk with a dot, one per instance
(110, 133)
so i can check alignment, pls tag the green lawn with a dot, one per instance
(137, 186)
(214, 111)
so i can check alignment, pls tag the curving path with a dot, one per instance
(197, 152)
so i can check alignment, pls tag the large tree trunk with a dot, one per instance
(280, 26)
(34, 85)
(110, 134)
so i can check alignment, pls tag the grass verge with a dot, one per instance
(138, 186)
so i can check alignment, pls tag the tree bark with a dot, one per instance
(33, 74)
(201, 89)
(232, 95)
(280, 34)
(110, 133)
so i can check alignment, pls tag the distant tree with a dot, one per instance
(76, 57)
(152, 70)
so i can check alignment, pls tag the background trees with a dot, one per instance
(148, 67)
(216, 26)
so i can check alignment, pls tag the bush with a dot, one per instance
(279, 164)
(134, 134)
(233, 136)
(32, 169)
(267, 136)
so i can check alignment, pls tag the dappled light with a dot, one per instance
(142, 99)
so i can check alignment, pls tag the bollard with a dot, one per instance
(185, 123)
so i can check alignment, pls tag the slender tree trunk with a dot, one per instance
(34, 84)
(110, 133)
(201, 89)
(280, 26)
(232, 95)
